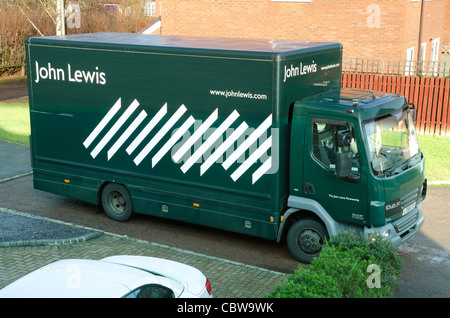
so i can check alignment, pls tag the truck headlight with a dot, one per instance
(383, 234)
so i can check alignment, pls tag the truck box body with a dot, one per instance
(196, 129)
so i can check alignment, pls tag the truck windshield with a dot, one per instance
(392, 143)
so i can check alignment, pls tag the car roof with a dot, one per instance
(192, 278)
(79, 278)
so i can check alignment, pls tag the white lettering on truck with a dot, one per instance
(300, 70)
(48, 72)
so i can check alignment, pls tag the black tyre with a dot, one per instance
(305, 239)
(116, 201)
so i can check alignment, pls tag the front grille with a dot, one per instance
(407, 222)
(410, 197)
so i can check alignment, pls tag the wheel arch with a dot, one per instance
(99, 192)
(303, 208)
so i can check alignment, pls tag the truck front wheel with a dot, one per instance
(305, 239)
(116, 202)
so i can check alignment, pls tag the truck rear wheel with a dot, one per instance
(305, 239)
(116, 201)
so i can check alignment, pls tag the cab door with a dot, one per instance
(343, 197)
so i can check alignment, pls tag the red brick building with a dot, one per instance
(370, 29)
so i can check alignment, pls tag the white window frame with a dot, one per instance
(150, 9)
(422, 55)
(409, 64)
(435, 44)
(423, 50)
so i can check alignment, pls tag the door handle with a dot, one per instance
(308, 188)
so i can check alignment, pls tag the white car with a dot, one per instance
(115, 276)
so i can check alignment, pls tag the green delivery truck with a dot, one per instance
(250, 136)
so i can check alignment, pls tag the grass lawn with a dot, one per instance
(437, 157)
(15, 123)
(15, 127)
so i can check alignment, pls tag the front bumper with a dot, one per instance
(400, 230)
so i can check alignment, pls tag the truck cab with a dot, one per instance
(355, 165)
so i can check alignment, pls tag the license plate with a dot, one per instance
(409, 208)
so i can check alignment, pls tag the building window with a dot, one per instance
(435, 54)
(150, 9)
(409, 67)
(422, 54)
(112, 8)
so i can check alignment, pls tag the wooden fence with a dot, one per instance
(430, 95)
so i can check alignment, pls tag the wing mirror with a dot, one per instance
(344, 164)
(344, 138)
(413, 110)
(344, 159)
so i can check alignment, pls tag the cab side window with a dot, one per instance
(331, 137)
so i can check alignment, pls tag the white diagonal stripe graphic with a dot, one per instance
(262, 170)
(160, 134)
(155, 120)
(208, 143)
(115, 128)
(169, 144)
(126, 134)
(102, 123)
(252, 159)
(108, 135)
(195, 136)
(248, 142)
(223, 147)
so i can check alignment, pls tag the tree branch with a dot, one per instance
(34, 26)
(46, 10)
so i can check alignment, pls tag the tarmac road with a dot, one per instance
(426, 257)
(15, 91)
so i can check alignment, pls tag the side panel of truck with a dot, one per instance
(109, 116)
(158, 122)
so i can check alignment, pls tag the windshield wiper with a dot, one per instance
(393, 170)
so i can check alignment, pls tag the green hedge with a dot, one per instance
(347, 267)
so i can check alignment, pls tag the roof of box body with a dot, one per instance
(164, 42)
(346, 97)
(360, 103)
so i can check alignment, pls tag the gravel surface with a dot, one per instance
(15, 227)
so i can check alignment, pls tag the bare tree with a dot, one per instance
(22, 4)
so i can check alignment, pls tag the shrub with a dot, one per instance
(347, 267)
